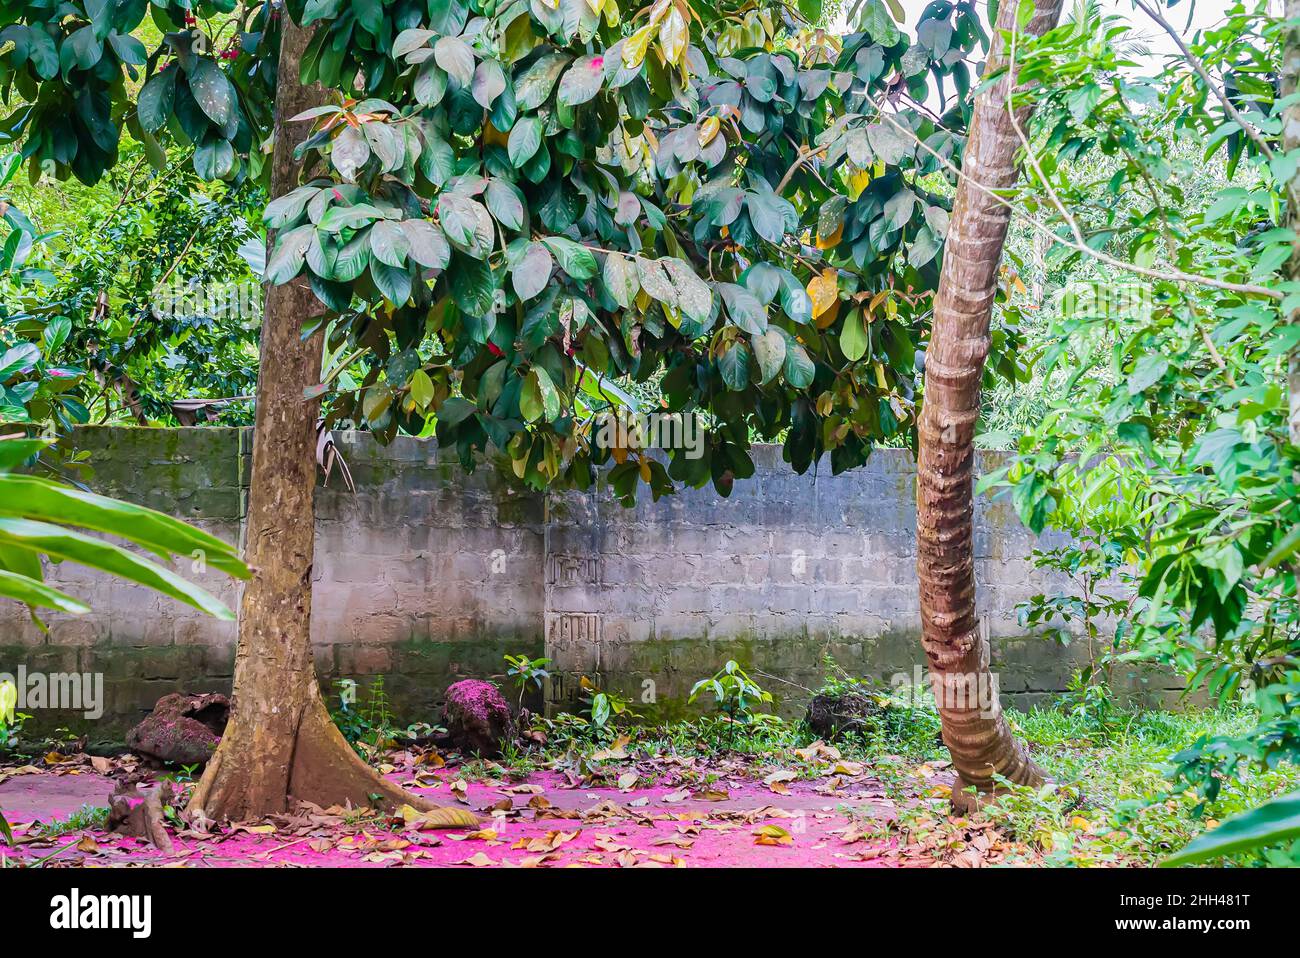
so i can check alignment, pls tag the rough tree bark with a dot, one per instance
(281, 744)
(974, 728)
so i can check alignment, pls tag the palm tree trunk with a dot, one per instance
(974, 728)
(281, 744)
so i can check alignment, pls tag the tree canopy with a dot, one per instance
(508, 205)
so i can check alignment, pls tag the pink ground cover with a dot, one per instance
(543, 819)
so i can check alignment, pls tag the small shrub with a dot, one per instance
(527, 672)
(734, 695)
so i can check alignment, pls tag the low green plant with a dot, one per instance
(734, 695)
(605, 708)
(526, 672)
(607, 716)
(185, 775)
(368, 726)
(11, 732)
(1092, 701)
(87, 817)
(905, 721)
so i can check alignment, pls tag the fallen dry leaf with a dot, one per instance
(772, 835)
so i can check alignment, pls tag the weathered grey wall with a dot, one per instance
(426, 575)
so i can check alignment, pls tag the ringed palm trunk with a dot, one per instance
(281, 744)
(974, 728)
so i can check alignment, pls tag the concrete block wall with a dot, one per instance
(426, 575)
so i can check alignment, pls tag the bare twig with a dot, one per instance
(805, 155)
(1171, 275)
(1195, 63)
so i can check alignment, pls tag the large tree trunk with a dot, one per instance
(281, 744)
(974, 728)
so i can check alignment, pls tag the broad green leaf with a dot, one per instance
(489, 83)
(734, 366)
(574, 259)
(289, 254)
(853, 337)
(285, 209)
(393, 282)
(1277, 820)
(411, 40)
(535, 83)
(533, 271)
(212, 91)
(1148, 371)
(746, 312)
(421, 388)
(437, 161)
(582, 81)
(389, 243)
(506, 203)
(32, 497)
(156, 101)
(427, 245)
(456, 57)
(769, 351)
(672, 282)
(472, 286)
(214, 160)
(38, 594)
(621, 278)
(14, 452)
(352, 259)
(799, 369)
(467, 224)
(525, 138)
(349, 152)
(72, 546)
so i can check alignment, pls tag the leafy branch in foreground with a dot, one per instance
(36, 514)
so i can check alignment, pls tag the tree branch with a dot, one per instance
(1195, 63)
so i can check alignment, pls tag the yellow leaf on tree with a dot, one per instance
(858, 181)
(494, 137)
(709, 129)
(824, 291)
(634, 49)
(673, 35)
(827, 242)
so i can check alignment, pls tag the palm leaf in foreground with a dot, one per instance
(34, 512)
(1274, 821)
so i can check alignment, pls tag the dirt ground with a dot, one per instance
(656, 812)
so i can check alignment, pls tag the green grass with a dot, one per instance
(86, 817)
(1110, 801)
(1117, 780)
